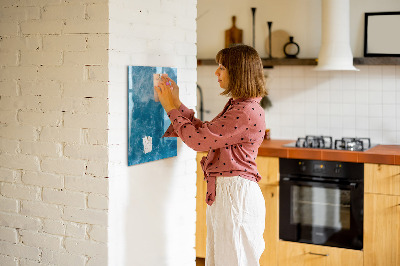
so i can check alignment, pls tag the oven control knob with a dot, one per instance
(338, 170)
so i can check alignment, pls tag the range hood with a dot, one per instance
(335, 52)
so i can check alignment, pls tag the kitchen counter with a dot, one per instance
(380, 154)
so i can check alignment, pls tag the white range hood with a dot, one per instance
(335, 52)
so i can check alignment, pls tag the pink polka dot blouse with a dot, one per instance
(232, 139)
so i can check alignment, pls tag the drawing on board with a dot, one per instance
(147, 120)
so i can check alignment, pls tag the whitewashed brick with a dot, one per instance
(97, 169)
(40, 209)
(35, 239)
(98, 73)
(68, 42)
(86, 89)
(61, 134)
(48, 58)
(7, 175)
(43, 179)
(98, 233)
(86, 26)
(18, 13)
(8, 234)
(19, 73)
(8, 117)
(8, 88)
(41, 148)
(41, 27)
(85, 121)
(87, 184)
(19, 221)
(64, 197)
(63, 166)
(88, 152)
(69, 12)
(96, 105)
(9, 146)
(98, 261)
(18, 132)
(89, 216)
(54, 227)
(62, 104)
(99, 42)
(85, 58)
(85, 247)
(9, 58)
(8, 205)
(20, 161)
(61, 73)
(95, 136)
(8, 260)
(22, 43)
(97, 11)
(20, 191)
(40, 119)
(8, 29)
(26, 262)
(62, 258)
(20, 251)
(76, 230)
(97, 201)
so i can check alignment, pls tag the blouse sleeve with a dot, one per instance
(187, 113)
(231, 128)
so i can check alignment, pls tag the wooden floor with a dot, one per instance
(200, 262)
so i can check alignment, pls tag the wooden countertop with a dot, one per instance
(380, 154)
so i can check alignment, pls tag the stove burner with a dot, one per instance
(324, 142)
(353, 144)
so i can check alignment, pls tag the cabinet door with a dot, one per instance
(299, 254)
(268, 168)
(201, 205)
(382, 179)
(271, 232)
(381, 230)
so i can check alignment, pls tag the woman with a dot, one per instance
(236, 211)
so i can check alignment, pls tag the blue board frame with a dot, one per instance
(147, 120)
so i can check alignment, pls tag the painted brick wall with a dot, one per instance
(152, 205)
(53, 132)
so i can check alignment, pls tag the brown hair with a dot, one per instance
(245, 69)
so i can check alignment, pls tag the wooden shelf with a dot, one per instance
(269, 63)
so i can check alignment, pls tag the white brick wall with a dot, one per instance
(53, 132)
(152, 205)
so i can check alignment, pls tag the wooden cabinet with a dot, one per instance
(382, 215)
(382, 179)
(201, 205)
(299, 254)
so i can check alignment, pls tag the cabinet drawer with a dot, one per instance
(382, 179)
(299, 254)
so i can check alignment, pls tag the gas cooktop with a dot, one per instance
(326, 142)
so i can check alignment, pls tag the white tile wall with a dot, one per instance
(337, 103)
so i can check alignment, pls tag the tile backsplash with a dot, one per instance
(363, 103)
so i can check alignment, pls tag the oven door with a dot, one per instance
(321, 212)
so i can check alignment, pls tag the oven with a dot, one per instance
(321, 202)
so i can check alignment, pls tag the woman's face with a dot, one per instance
(223, 76)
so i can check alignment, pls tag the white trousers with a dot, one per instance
(235, 223)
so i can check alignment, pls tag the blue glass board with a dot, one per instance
(147, 120)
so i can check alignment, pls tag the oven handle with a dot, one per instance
(310, 182)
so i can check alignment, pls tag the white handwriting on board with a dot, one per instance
(147, 144)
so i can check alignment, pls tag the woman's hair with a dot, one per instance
(245, 69)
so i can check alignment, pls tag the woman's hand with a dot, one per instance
(165, 96)
(175, 91)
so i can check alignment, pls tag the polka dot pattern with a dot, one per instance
(232, 139)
